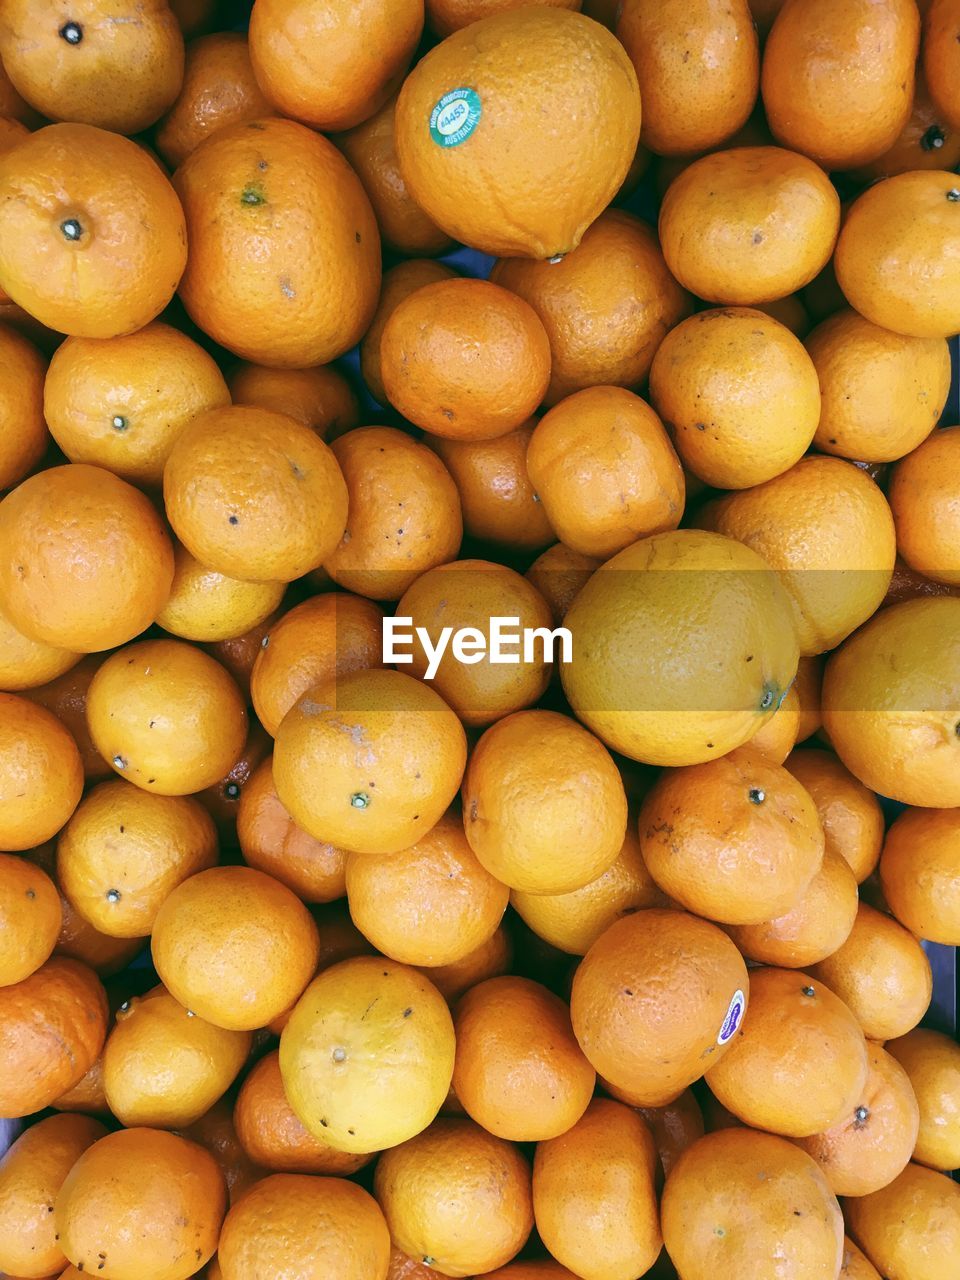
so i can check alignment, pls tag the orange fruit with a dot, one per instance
(807, 687)
(799, 1063)
(910, 1227)
(92, 235)
(823, 95)
(738, 1200)
(325, 637)
(447, 16)
(777, 738)
(271, 841)
(151, 1202)
(124, 850)
(544, 807)
(519, 1071)
(166, 716)
(120, 403)
(675, 1127)
(222, 800)
(367, 1055)
(332, 65)
(469, 595)
(573, 921)
(238, 655)
(41, 776)
(219, 89)
(856, 1265)
(439, 879)
(882, 973)
(66, 697)
(31, 1175)
(21, 403)
(404, 513)
(559, 574)
(11, 104)
(209, 957)
(932, 1063)
(399, 282)
(850, 814)
(52, 1027)
(605, 471)
(748, 225)
(30, 918)
(658, 996)
(90, 68)
(499, 502)
(321, 398)
(284, 265)
(204, 605)
(737, 840)
(740, 393)
(593, 1194)
(254, 494)
(385, 797)
(814, 927)
(928, 140)
(920, 873)
(403, 1268)
(559, 181)
(827, 530)
(74, 515)
(429, 367)
(882, 393)
(923, 498)
(271, 1134)
(215, 1133)
(891, 702)
(897, 254)
(305, 1226)
(698, 67)
(456, 1196)
(549, 1270)
(163, 1066)
(489, 960)
(874, 1143)
(371, 149)
(723, 683)
(606, 306)
(940, 62)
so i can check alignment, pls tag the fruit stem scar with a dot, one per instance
(120, 423)
(339, 1055)
(933, 138)
(252, 196)
(71, 228)
(72, 32)
(756, 795)
(808, 991)
(119, 762)
(359, 800)
(953, 195)
(113, 895)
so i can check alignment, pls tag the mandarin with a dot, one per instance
(925, 501)
(25, 435)
(399, 281)
(932, 1063)
(920, 873)
(911, 1227)
(321, 397)
(41, 776)
(30, 918)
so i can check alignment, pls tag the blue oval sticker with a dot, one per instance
(732, 1021)
(455, 117)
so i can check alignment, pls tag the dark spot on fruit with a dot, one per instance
(797, 1213)
(72, 32)
(756, 795)
(933, 138)
(234, 519)
(407, 1013)
(416, 817)
(357, 236)
(324, 1123)
(151, 781)
(710, 745)
(473, 803)
(262, 165)
(758, 237)
(953, 195)
(264, 642)
(31, 894)
(808, 991)
(122, 828)
(232, 791)
(767, 700)
(253, 196)
(352, 1133)
(749, 657)
(627, 991)
(701, 426)
(860, 1117)
(832, 440)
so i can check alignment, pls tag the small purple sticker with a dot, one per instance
(732, 1021)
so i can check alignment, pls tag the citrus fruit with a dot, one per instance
(321, 397)
(204, 605)
(165, 1067)
(856, 1265)
(489, 960)
(92, 236)
(284, 265)
(384, 797)
(721, 684)
(891, 702)
(141, 1201)
(738, 1201)
(166, 716)
(41, 776)
(850, 814)
(748, 225)
(799, 1064)
(82, 515)
(219, 89)
(605, 471)
(522, 69)
(21, 403)
(66, 697)
(737, 840)
(923, 498)
(927, 141)
(777, 738)
(447, 16)
(52, 1027)
(657, 998)
(404, 513)
(932, 1063)
(919, 873)
(367, 1055)
(120, 403)
(519, 1071)
(911, 1227)
(940, 62)
(215, 1133)
(559, 574)
(429, 367)
(698, 67)
(30, 918)
(457, 1196)
(675, 1126)
(544, 807)
(606, 306)
(739, 393)
(439, 879)
(399, 281)
(822, 95)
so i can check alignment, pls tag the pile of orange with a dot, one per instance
(331, 947)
